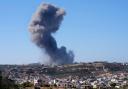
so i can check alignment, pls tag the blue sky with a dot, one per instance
(96, 30)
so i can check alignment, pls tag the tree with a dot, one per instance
(113, 85)
(6, 83)
(0, 80)
(27, 84)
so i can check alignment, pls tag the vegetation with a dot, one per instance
(27, 84)
(6, 83)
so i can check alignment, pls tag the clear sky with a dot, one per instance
(96, 30)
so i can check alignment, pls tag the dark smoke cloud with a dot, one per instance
(46, 21)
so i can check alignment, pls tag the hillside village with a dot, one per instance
(78, 75)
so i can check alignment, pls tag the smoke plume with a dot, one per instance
(46, 21)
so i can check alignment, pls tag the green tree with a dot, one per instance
(27, 84)
(113, 85)
(6, 83)
(0, 80)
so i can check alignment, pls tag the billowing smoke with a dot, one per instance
(46, 21)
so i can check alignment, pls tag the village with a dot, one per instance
(96, 75)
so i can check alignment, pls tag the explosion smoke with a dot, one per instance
(46, 21)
